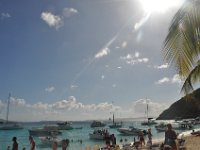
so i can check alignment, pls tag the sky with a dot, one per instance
(85, 59)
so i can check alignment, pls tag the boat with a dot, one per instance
(65, 125)
(49, 140)
(99, 134)
(161, 127)
(97, 124)
(115, 124)
(43, 132)
(149, 121)
(183, 125)
(176, 126)
(131, 131)
(9, 125)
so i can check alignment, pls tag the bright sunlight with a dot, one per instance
(160, 6)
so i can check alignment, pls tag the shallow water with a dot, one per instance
(73, 135)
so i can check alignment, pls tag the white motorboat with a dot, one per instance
(10, 125)
(43, 132)
(99, 134)
(65, 125)
(131, 131)
(149, 122)
(176, 126)
(97, 124)
(161, 127)
(182, 125)
(49, 140)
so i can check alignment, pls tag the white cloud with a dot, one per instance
(137, 54)
(40, 105)
(77, 110)
(134, 59)
(174, 80)
(50, 89)
(114, 85)
(103, 52)
(52, 20)
(69, 104)
(5, 15)
(164, 66)
(17, 101)
(163, 80)
(124, 44)
(68, 12)
(73, 86)
(102, 77)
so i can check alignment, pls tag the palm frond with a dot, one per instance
(181, 46)
(192, 78)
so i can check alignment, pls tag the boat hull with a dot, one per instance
(48, 141)
(43, 132)
(11, 127)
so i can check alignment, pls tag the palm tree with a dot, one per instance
(182, 44)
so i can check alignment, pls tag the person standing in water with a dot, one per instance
(149, 134)
(32, 143)
(15, 144)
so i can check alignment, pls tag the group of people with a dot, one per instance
(141, 139)
(169, 141)
(15, 144)
(64, 144)
(110, 141)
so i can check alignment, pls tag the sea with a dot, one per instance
(75, 135)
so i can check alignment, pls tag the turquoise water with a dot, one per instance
(73, 135)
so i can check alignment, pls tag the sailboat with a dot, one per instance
(149, 121)
(9, 125)
(115, 124)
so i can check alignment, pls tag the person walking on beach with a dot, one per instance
(32, 143)
(149, 134)
(170, 137)
(15, 144)
(141, 137)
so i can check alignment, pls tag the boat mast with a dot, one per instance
(147, 111)
(8, 103)
(113, 118)
(113, 114)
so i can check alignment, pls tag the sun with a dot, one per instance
(160, 6)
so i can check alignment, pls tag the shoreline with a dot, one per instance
(191, 142)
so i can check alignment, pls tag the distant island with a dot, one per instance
(187, 107)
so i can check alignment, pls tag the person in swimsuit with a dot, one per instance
(15, 144)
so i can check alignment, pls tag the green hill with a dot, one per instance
(186, 107)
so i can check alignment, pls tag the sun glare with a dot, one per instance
(160, 6)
